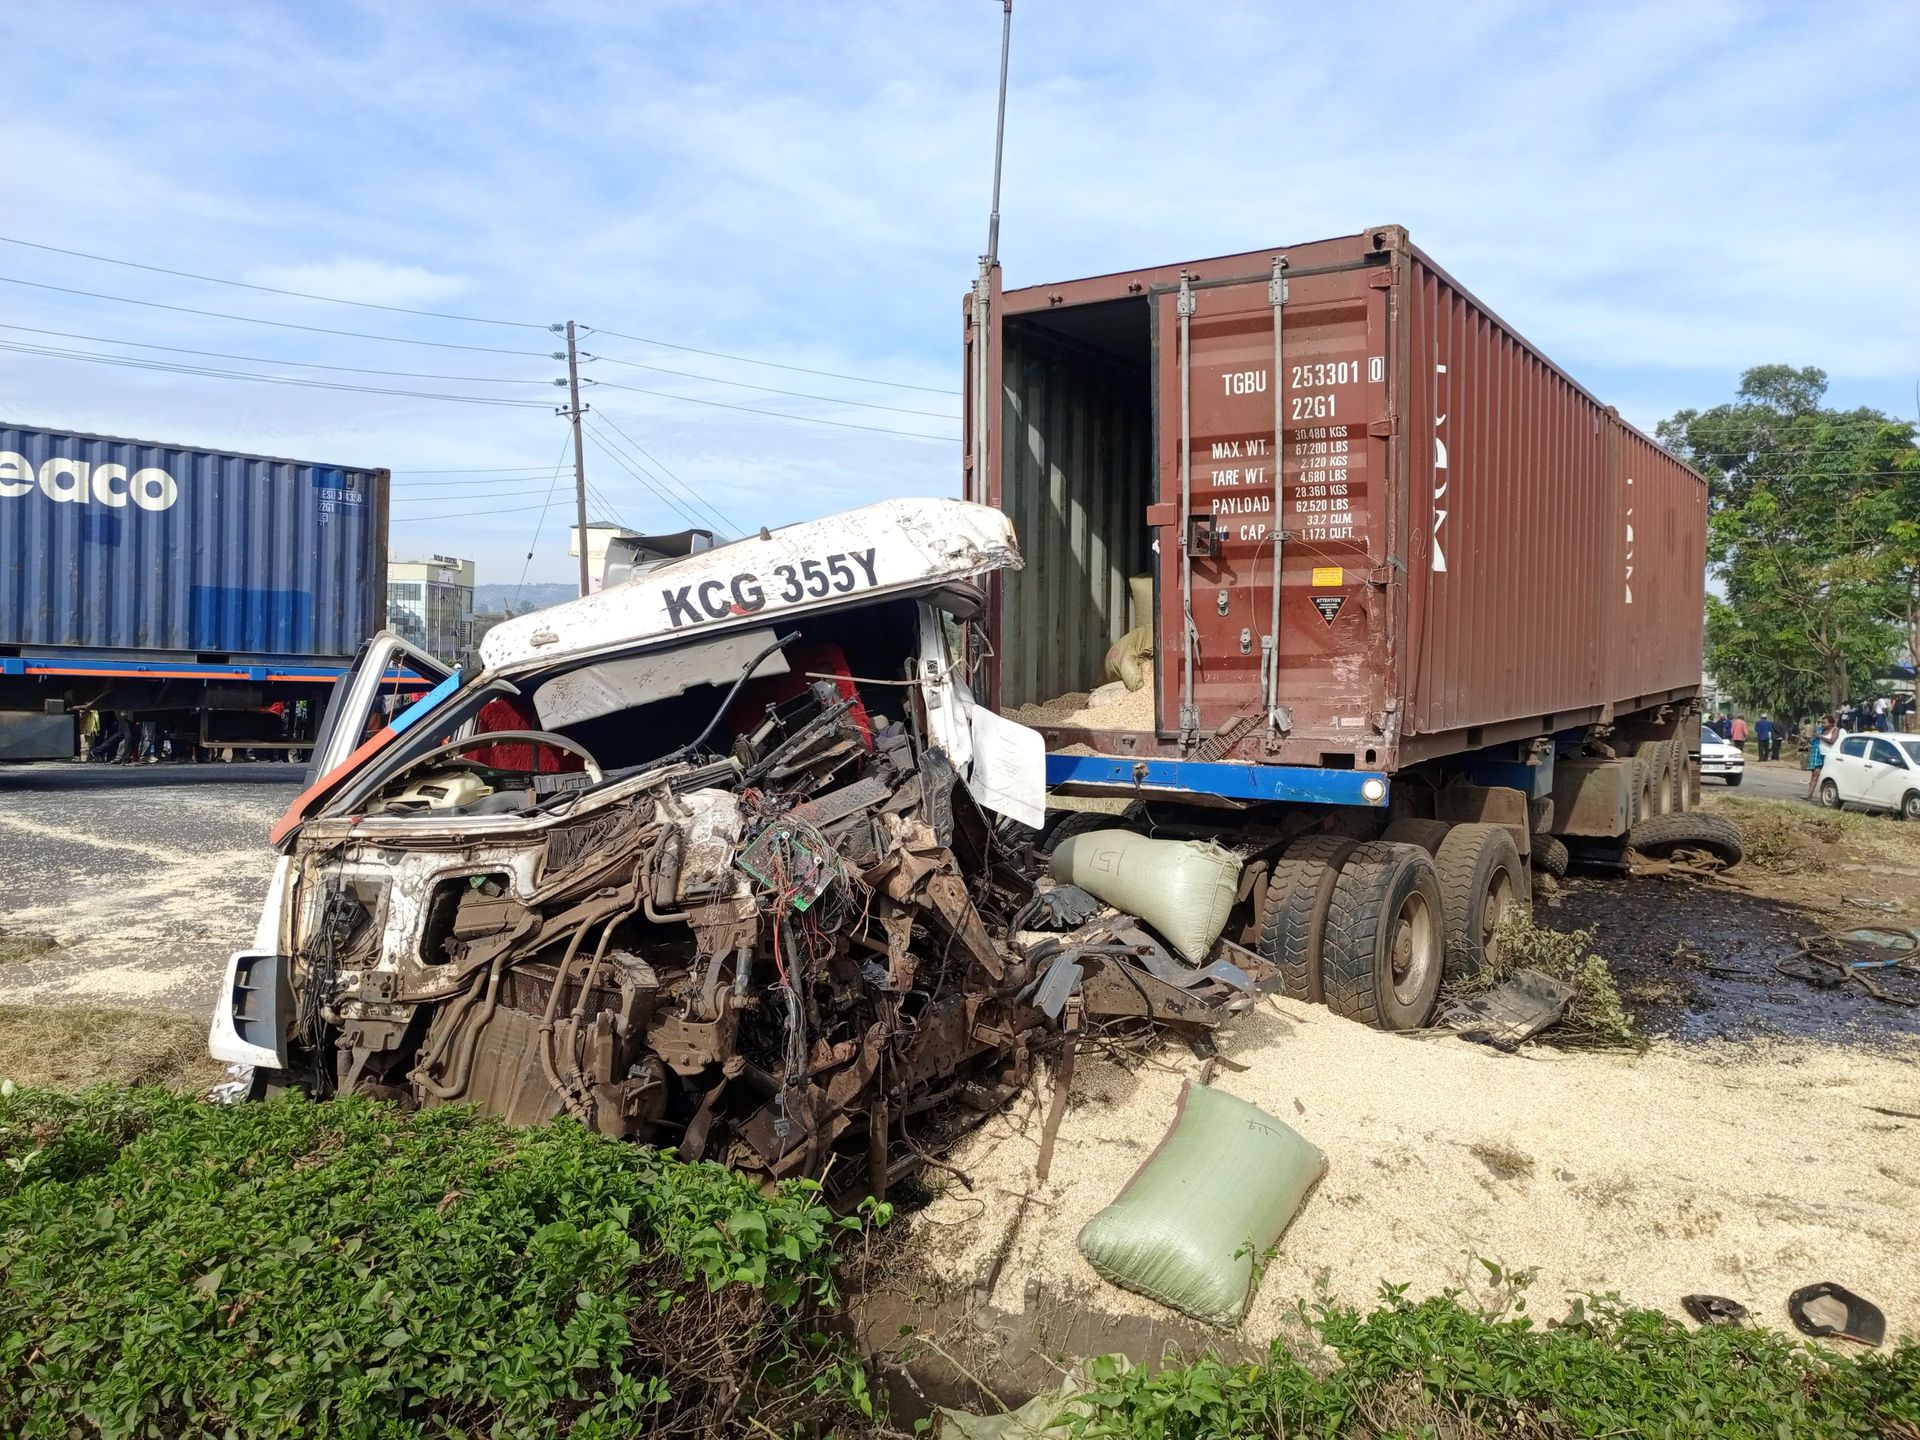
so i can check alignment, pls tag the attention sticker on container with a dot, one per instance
(1328, 606)
(1329, 575)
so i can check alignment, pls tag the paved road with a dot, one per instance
(1772, 780)
(147, 876)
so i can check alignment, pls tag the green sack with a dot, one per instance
(1198, 1219)
(1182, 888)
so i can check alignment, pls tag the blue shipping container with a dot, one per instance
(131, 545)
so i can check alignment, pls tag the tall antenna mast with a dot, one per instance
(983, 285)
(999, 132)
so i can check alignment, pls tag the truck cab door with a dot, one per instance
(1003, 763)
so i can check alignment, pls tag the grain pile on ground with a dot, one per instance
(1132, 710)
(1742, 1171)
(69, 1047)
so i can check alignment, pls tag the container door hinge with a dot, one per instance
(1383, 429)
(1380, 280)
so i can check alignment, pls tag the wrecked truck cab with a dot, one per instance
(717, 857)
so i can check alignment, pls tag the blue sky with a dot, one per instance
(1658, 195)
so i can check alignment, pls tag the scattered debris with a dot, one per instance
(1195, 1227)
(1714, 1309)
(1867, 902)
(1511, 1013)
(1828, 1310)
(1593, 1013)
(1686, 837)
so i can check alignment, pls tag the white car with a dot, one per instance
(1720, 760)
(1878, 772)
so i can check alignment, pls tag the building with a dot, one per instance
(430, 604)
(600, 535)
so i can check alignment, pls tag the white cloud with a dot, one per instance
(371, 281)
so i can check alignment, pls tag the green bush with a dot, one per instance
(348, 1269)
(1436, 1368)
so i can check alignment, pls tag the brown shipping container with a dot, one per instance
(1472, 548)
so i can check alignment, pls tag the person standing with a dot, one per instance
(1739, 735)
(1883, 714)
(1825, 734)
(1762, 737)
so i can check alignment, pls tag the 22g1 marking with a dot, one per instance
(840, 573)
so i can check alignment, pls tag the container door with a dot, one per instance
(1285, 437)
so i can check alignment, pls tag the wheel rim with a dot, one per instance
(1415, 949)
(1913, 807)
(1830, 795)
(1493, 910)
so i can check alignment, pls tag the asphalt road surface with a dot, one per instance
(146, 876)
(1782, 779)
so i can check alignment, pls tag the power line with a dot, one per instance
(770, 364)
(269, 360)
(776, 414)
(459, 515)
(282, 324)
(663, 496)
(469, 484)
(205, 372)
(270, 289)
(494, 470)
(770, 390)
(530, 489)
(724, 522)
(566, 444)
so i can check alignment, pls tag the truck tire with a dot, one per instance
(1081, 822)
(1294, 918)
(1664, 834)
(1649, 781)
(1678, 803)
(1481, 880)
(1384, 950)
(1427, 834)
(1550, 856)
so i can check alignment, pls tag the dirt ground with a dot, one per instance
(122, 892)
(1769, 1136)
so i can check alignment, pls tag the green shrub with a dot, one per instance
(347, 1269)
(1436, 1368)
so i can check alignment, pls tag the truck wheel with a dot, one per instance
(1384, 950)
(1550, 856)
(1294, 919)
(1666, 833)
(1649, 780)
(1081, 822)
(1678, 803)
(1427, 834)
(1481, 880)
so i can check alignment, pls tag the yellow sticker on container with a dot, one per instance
(1329, 575)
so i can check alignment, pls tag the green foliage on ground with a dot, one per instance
(1815, 530)
(1440, 1368)
(1596, 1017)
(348, 1269)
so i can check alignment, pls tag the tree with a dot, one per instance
(1808, 534)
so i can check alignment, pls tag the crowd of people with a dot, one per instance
(1882, 714)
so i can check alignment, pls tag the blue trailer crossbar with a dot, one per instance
(1231, 780)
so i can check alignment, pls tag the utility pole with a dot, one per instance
(573, 413)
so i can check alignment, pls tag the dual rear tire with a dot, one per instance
(1373, 929)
